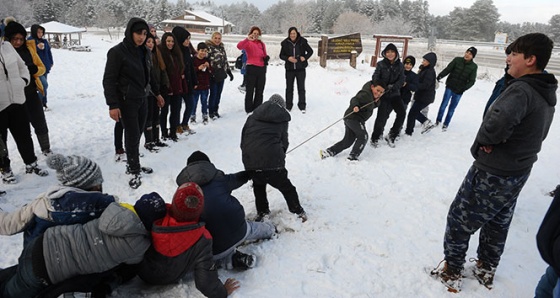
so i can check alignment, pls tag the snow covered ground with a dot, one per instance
(374, 225)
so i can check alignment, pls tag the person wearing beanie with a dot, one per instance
(358, 112)
(128, 68)
(295, 52)
(390, 72)
(121, 239)
(181, 246)
(221, 70)
(255, 76)
(462, 76)
(77, 199)
(13, 111)
(223, 213)
(264, 142)
(186, 48)
(505, 149)
(44, 51)
(410, 82)
(425, 94)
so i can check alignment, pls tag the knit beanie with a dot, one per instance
(188, 203)
(150, 207)
(277, 99)
(197, 156)
(410, 59)
(13, 28)
(75, 171)
(473, 51)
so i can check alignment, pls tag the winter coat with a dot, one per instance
(264, 138)
(117, 236)
(177, 84)
(391, 74)
(426, 92)
(13, 84)
(500, 86)
(60, 205)
(462, 75)
(516, 125)
(181, 34)
(361, 99)
(255, 50)
(45, 54)
(177, 250)
(411, 79)
(218, 60)
(34, 64)
(548, 236)
(127, 71)
(223, 213)
(159, 77)
(202, 76)
(297, 49)
(244, 62)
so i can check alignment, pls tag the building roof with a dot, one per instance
(57, 27)
(198, 17)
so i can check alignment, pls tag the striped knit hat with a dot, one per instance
(75, 171)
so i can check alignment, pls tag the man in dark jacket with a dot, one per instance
(182, 245)
(462, 75)
(389, 72)
(360, 110)
(223, 214)
(505, 149)
(264, 142)
(295, 51)
(126, 85)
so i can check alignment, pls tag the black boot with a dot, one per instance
(242, 261)
(45, 144)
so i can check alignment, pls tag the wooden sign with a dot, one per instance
(342, 47)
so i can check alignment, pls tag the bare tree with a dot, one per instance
(396, 25)
(352, 22)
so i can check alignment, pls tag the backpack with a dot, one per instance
(239, 62)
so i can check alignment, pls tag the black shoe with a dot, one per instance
(303, 216)
(135, 181)
(374, 143)
(174, 138)
(146, 170)
(151, 147)
(390, 141)
(2, 193)
(217, 115)
(160, 144)
(261, 215)
(352, 157)
(242, 261)
(34, 168)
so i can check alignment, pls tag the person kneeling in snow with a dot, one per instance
(223, 213)
(181, 245)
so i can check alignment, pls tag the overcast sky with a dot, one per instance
(513, 11)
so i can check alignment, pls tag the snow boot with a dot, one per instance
(34, 168)
(450, 278)
(352, 157)
(390, 141)
(325, 153)
(135, 181)
(484, 273)
(242, 261)
(8, 176)
(204, 119)
(120, 155)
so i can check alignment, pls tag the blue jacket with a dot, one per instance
(45, 54)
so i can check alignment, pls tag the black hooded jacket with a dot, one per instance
(127, 71)
(426, 92)
(390, 74)
(299, 48)
(181, 34)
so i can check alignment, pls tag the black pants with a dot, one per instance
(383, 111)
(151, 131)
(255, 78)
(14, 118)
(279, 180)
(415, 114)
(299, 76)
(354, 133)
(133, 117)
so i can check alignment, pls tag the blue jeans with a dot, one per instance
(215, 96)
(203, 96)
(42, 97)
(454, 97)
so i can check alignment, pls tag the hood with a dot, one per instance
(34, 29)
(432, 58)
(271, 112)
(210, 43)
(544, 83)
(391, 47)
(199, 172)
(120, 221)
(181, 34)
(171, 238)
(128, 31)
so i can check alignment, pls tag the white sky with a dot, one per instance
(513, 11)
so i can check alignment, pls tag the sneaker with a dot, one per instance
(135, 181)
(151, 147)
(484, 273)
(8, 177)
(242, 261)
(241, 89)
(204, 119)
(427, 126)
(444, 128)
(374, 143)
(189, 131)
(160, 144)
(437, 123)
(2, 193)
(390, 141)
(303, 111)
(120, 155)
(452, 279)
(34, 168)
(303, 216)
(179, 130)
(261, 216)
(146, 170)
(352, 157)
(325, 153)
(47, 152)
(217, 115)
(192, 121)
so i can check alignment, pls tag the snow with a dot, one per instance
(374, 225)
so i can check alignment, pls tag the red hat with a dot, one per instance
(188, 203)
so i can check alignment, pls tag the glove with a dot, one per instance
(230, 75)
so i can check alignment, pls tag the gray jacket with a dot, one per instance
(118, 236)
(516, 125)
